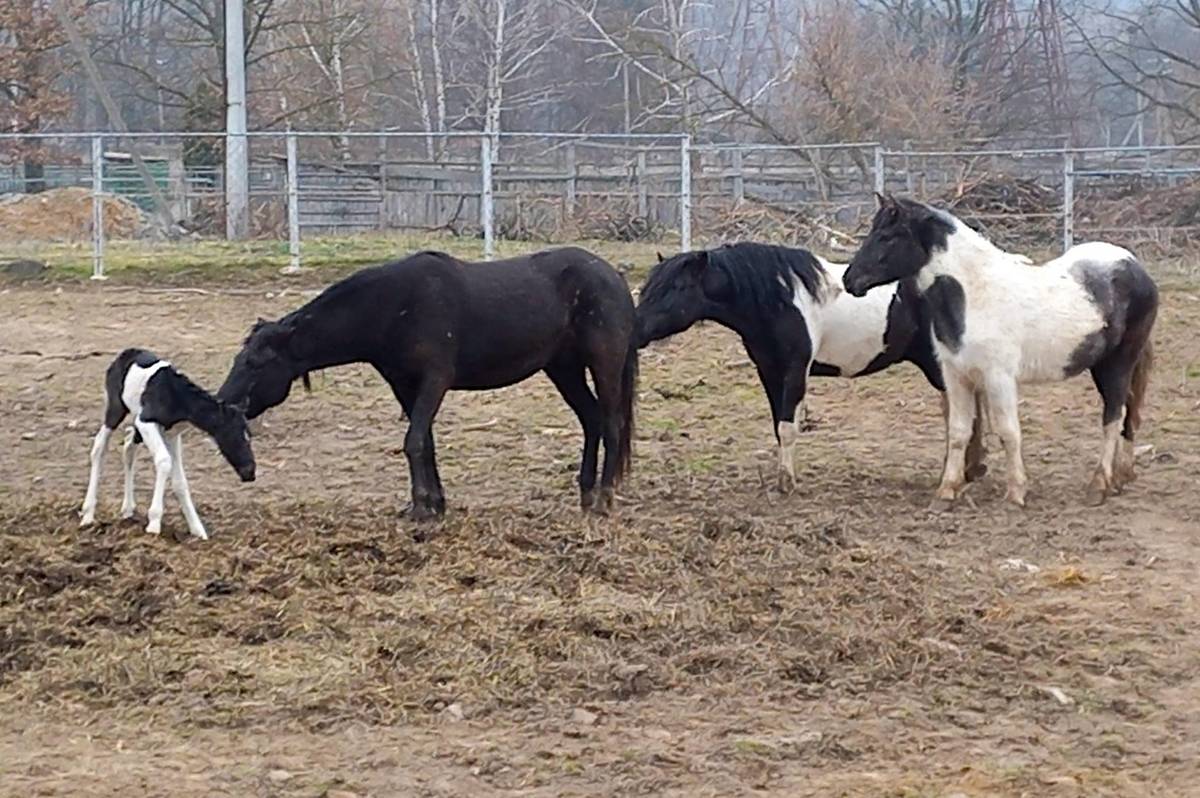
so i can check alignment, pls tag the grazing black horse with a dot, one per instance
(431, 323)
(794, 319)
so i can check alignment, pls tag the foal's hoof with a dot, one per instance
(587, 499)
(86, 521)
(786, 482)
(1015, 497)
(153, 528)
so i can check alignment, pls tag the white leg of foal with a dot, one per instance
(153, 438)
(787, 454)
(961, 416)
(129, 458)
(180, 483)
(93, 488)
(1001, 401)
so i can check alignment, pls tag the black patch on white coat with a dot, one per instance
(1122, 293)
(947, 307)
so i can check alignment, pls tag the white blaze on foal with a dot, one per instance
(999, 321)
(160, 399)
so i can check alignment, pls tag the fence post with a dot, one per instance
(643, 204)
(485, 197)
(685, 192)
(571, 178)
(879, 182)
(1068, 200)
(98, 208)
(293, 205)
(739, 178)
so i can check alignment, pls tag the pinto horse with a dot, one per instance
(794, 319)
(431, 323)
(998, 323)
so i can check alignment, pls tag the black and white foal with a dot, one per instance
(998, 322)
(160, 398)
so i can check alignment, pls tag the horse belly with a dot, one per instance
(1050, 339)
(494, 356)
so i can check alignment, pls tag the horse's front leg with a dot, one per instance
(153, 438)
(976, 466)
(129, 460)
(428, 500)
(93, 489)
(1002, 402)
(960, 396)
(792, 391)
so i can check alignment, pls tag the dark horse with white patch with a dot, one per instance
(794, 319)
(998, 323)
(431, 323)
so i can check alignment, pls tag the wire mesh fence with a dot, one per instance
(91, 200)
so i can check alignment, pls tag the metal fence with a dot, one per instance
(547, 187)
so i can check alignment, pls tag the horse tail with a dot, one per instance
(629, 381)
(1137, 389)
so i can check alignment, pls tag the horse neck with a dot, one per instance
(968, 257)
(202, 409)
(325, 337)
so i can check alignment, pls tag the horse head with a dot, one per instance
(903, 237)
(263, 371)
(678, 292)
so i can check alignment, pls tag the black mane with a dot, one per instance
(761, 275)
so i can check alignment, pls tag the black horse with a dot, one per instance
(431, 323)
(795, 320)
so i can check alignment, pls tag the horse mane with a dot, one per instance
(765, 274)
(760, 275)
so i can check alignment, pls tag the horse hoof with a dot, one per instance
(86, 521)
(587, 499)
(421, 513)
(941, 505)
(153, 529)
(603, 502)
(1015, 498)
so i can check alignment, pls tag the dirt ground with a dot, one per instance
(715, 638)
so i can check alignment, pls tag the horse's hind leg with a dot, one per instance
(93, 489)
(569, 378)
(428, 500)
(1113, 377)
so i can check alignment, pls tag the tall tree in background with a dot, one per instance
(31, 65)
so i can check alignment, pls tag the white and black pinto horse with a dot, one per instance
(998, 323)
(161, 399)
(794, 319)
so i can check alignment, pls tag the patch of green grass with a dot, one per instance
(216, 260)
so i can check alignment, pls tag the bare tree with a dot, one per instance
(1151, 53)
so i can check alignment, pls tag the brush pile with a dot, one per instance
(756, 220)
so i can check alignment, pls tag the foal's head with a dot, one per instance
(262, 373)
(903, 237)
(679, 291)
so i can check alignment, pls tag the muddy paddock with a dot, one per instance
(715, 637)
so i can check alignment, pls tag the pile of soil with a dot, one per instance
(65, 214)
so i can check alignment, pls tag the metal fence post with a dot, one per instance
(879, 182)
(739, 178)
(293, 204)
(643, 199)
(572, 177)
(1068, 200)
(685, 192)
(98, 208)
(485, 197)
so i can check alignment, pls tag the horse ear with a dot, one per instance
(880, 200)
(701, 260)
(307, 382)
(660, 257)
